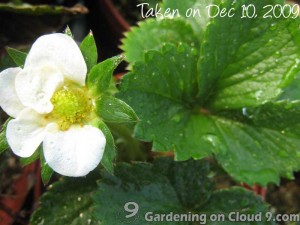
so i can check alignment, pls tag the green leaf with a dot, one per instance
(35, 156)
(67, 202)
(100, 76)
(189, 179)
(246, 62)
(291, 92)
(165, 187)
(194, 11)
(3, 142)
(163, 98)
(47, 171)
(152, 34)
(110, 148)
(89, 51)
(114, 110)
(18, 56)
(238, 78)
(236, 200)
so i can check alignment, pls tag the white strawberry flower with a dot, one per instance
(51, 105)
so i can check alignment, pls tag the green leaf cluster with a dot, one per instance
(225, 93)
(167, 186)
(162, 187)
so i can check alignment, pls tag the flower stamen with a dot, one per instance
(71, 105)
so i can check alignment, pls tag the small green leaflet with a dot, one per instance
(67, 202)
(165, 187)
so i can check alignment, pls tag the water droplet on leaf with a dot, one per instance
(277, 54)
(273, 26)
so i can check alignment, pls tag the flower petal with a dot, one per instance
(74, 152)
(9, 100)
(59, 50)
(35, 87)
(26, 132)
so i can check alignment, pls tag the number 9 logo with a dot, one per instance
(132, 208)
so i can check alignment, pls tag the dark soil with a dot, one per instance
(285, 199)
(129, 11)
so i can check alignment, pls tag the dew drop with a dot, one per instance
(215, 142)
(50, 47)
(273, 26)
(277, 54)
(176, 118)
(258, 94)
(52, 144)
(244, 111)
(288, 105)
(283, 154)
(40, 95)
(79, 199)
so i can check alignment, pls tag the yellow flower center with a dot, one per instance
(71, 105)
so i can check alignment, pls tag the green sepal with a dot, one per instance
(47, 171)
(35, 156)
(114, 110)
(3, 142)
(68, 32)
(89, 51)
(110, 148)
(17, 56)
(100, 76)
